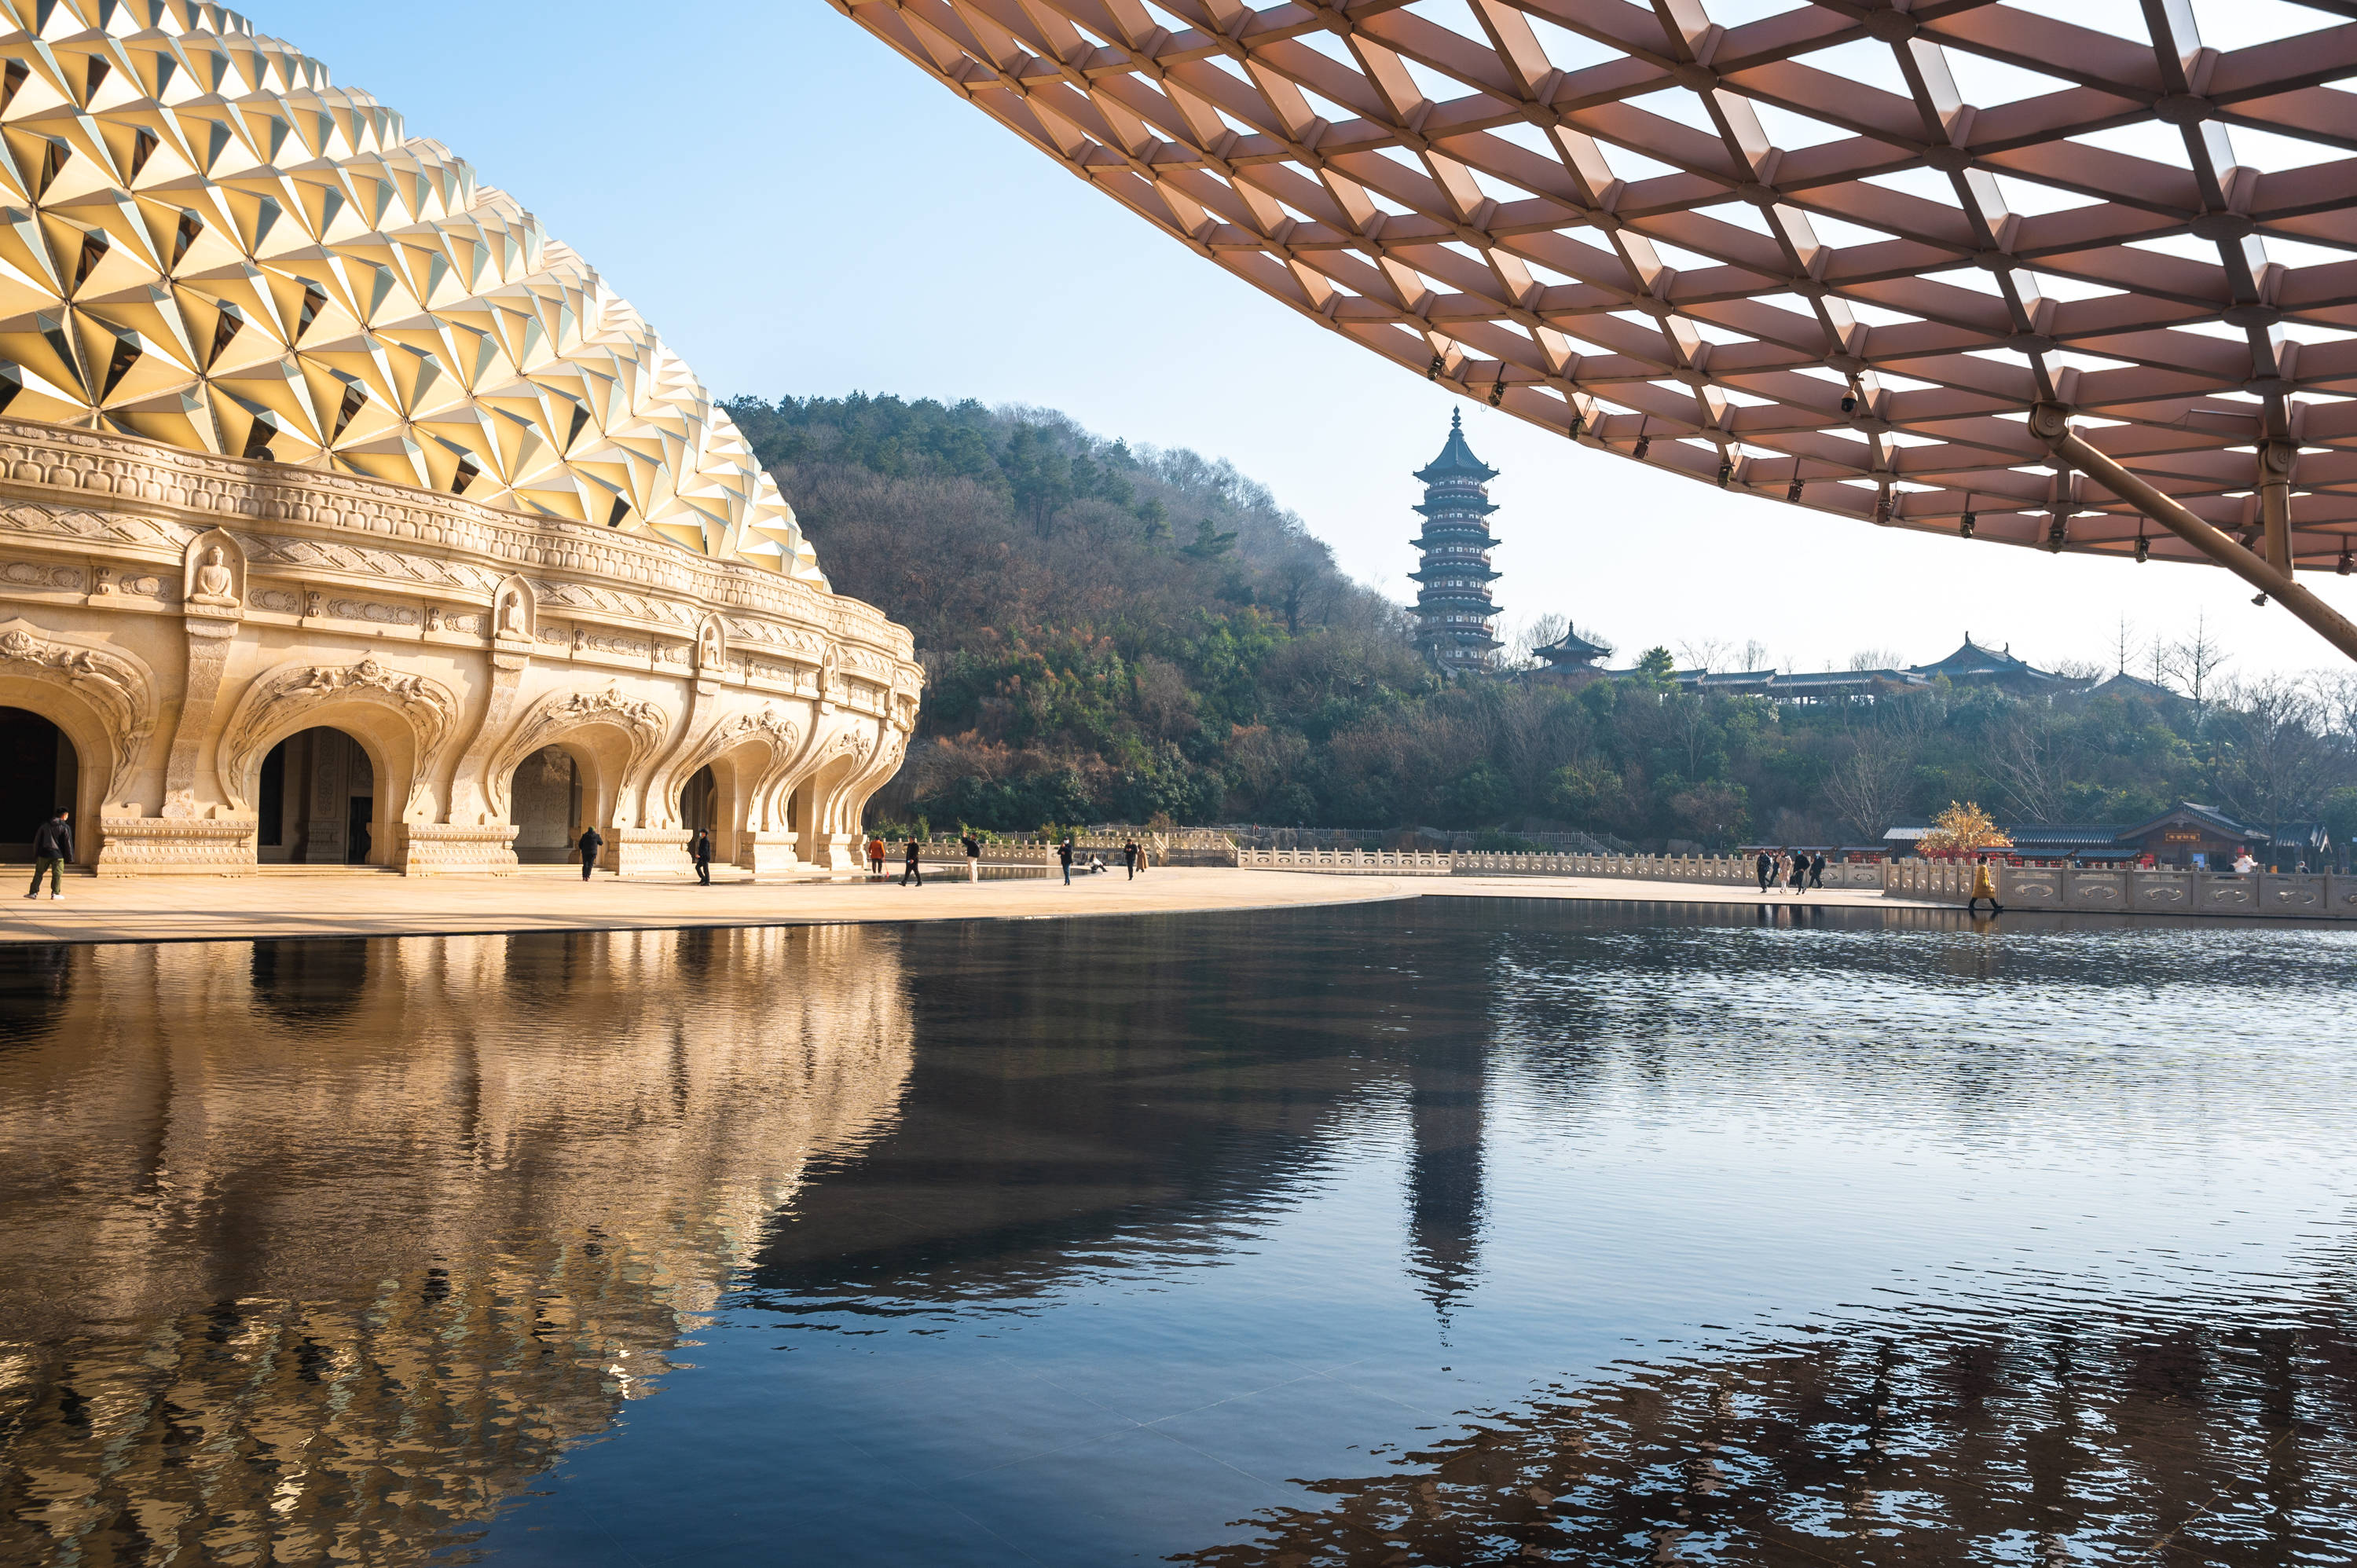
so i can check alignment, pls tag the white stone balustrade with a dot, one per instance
(2161, 892)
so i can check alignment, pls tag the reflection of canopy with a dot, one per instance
(1875, 1445)
(353, 1273)
(1837, 254)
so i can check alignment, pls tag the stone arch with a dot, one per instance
(882, 760)
(734, 774)
(609, 738)
(769, 740)
(402, 722)
(835, 763)
(102, 700)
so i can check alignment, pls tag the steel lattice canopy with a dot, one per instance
(1956, 265)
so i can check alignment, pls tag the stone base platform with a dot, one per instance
(360, 901)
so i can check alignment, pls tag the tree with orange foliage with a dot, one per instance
(1963, 829)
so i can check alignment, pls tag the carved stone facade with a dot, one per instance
(177, 616)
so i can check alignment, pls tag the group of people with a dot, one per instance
(699, 852)
(1133, 856)
(1792, 868)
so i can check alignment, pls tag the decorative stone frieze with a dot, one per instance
(451, 640)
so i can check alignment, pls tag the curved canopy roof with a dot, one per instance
(1945, 264)
(207, 244)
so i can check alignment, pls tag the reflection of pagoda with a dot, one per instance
(1446, 1090)
(1453, 612)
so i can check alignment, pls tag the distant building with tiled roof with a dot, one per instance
(1571, 652)
(1972, 665)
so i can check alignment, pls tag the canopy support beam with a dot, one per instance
(2052, 424)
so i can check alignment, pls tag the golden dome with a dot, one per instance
(207, 245)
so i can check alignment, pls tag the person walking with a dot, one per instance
(973, 856)
(1817, 870)
(1800, 873)
(1984, 887)
(591, 842)
(1129, 858)
(52, 847)
(1064, 854)
(875, 857)
(1766, 868)
(912, 870)
(699, 850)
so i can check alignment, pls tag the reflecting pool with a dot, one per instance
(1452, 1232)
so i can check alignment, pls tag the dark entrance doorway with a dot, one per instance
(545, 805)
(317, 802)
(41, 773)
(357, 819)
(699, 802)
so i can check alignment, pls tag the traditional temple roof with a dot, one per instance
(1457, 460)
(2123, 684)
(1972, 662)
(1571, 650)
(2192, 815)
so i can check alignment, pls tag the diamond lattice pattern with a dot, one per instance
(207, 244)
(1829, 253)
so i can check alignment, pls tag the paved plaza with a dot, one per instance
(327, 902)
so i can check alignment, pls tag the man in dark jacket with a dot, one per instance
(699, 850)
(1129, 858)
(1064, 854)
(1767, 869)
(52, 847)
(592, 840)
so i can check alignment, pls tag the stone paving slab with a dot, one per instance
(320, 902)
(312, 904)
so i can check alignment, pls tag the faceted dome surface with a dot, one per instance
(207, 244)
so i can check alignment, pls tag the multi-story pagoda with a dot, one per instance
(1454, 617)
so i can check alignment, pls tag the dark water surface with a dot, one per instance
(1443, 1233)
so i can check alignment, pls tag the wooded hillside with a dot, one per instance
(1111, 632)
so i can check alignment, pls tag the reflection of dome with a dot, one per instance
(342, 1282)
(226, 254)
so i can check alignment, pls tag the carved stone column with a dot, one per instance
(470, 804)
(703, 694)
(211, 633)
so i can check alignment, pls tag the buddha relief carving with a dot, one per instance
(215, 583)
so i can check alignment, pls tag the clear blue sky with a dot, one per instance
(797, 210)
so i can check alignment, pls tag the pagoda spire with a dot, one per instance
(1455, 620)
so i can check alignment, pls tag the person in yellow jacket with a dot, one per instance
(1984, 887)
